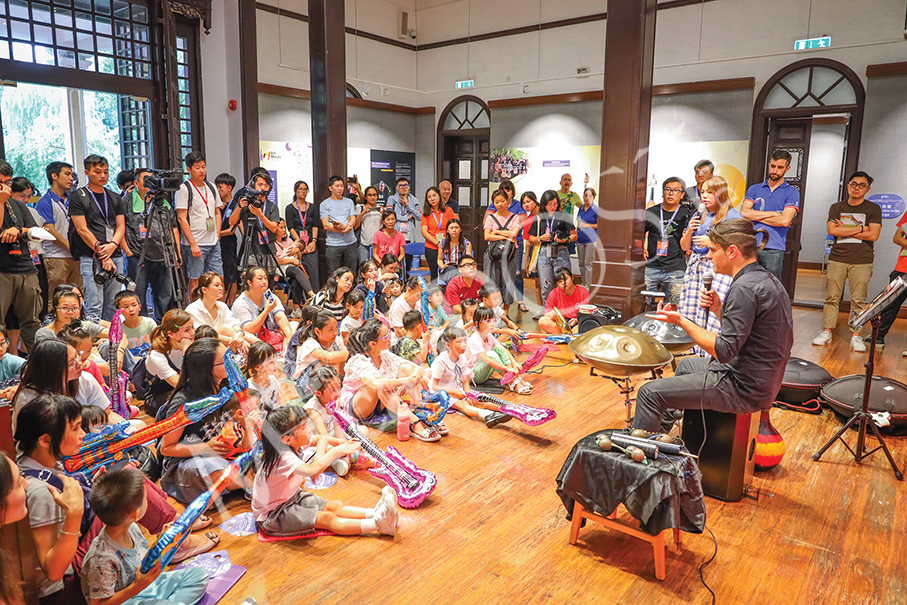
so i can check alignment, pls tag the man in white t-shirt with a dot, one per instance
(198, 213)
(403, 304)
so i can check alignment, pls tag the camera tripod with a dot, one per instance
(178, 285)
(250, 232)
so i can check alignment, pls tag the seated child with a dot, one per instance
(80, 340)
(448, 371)
(466, 322)
(485, 355)
(10, 365)
(411, 346)
(235, 433)
(504, 328)
(565, 298)
(325, 384)
(206, 331)
(320, 344)
(389, 269)
(136, 329)
(281, 508)
(438, 319)
(261, 370)
(111, 572)
(393, 289)
(355, 302)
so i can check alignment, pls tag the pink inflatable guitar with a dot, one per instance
(412, 484)
(532, 361)
(119, 381)
(526, 414)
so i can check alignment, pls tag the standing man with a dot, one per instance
(900, 270)
(772, 205)
(666, 262)
(567, 199)
(408, 210)
(54, 210)
(225, 182)
(152, 270)
(338, 217)
(749, 354)
(704, 171)
(19, 287)
(97, 230)
(855, 225)
(198, 212)
(446, 190)
(265, 217)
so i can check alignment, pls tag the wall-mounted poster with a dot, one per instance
(286, 163)
(508, 163)
(387, 167)
(672, 158)
(539, 168)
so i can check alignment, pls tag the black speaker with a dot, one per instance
(603, 315)
(727, 459)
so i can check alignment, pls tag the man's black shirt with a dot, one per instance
(658, 219)
(81, 203)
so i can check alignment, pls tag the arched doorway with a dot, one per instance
(464, 135)
(801, 98)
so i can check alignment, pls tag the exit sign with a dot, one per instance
(811, 43)
(466, 84)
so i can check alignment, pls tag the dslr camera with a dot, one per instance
(102, 276)
(252, 196)
(163, 180)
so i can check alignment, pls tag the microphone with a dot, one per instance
(702, 211)
(707, 278)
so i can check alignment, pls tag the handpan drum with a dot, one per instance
(620, 351)
(674, 338)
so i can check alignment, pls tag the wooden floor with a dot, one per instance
(494, 531)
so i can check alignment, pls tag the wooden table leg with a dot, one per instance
(658, 547)
(577, 521)
(677, 536)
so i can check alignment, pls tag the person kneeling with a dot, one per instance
(281, 508)
(566, 298)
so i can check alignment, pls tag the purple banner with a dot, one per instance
(381, 165)
(555, 163)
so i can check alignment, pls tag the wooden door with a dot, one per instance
(791, 135)
(465, 165)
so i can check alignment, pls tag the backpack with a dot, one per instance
(189, 189)
(501, 249)
(289, 355)
(149, 388)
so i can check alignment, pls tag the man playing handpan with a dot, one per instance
(749, 354)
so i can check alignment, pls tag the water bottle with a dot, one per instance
(403, 421)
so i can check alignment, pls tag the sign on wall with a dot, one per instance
(892, 204)
(387, 167)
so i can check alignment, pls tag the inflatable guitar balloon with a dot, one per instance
(169, 541)
(432, 408)
(119, 381)
(108, 447)
(526, 414)
(560, 339)
(368, 308)
(426, 309)
(533, 360)
(412, 484)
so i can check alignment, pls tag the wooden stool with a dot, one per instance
(657, 542)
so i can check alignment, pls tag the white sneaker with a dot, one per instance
(823, 338)
(386, 521)
(857, 344)
(340, 466)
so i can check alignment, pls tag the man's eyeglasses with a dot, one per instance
(469, 265)
(673, 191)
(858, 185)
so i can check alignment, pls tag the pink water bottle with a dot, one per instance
(403, 421)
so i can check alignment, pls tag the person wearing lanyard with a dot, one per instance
(435, 216)
(406, 206)
(98, 226)
(665, 223)
(199, 221)
(303, 228)
(54, 210)
(19, 287)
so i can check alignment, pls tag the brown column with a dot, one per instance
(327, 59)
(248, 77)
(618, 272)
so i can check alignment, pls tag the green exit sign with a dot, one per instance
(466, 83)
(811, 43)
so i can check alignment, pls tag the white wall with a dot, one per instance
(220, 84)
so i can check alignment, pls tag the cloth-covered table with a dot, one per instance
(665, 493)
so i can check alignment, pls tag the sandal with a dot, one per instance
(184, 553)
(520, 387)
(441, 428)
(523, 308)
(427, 434)
(202, 522)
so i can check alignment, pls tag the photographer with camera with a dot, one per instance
(147, 248)
(198, 211)
(18, 276)
(98, 224)
(258, 221)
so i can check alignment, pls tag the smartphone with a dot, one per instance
(268, 296)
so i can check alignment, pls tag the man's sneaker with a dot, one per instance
(340, 466)
(880, 343)
(495, 418)
(386, 521)
(856, 343)
(822, 339)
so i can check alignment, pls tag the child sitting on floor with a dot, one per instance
(281, 508)
(448, 372)
(320, 344)
(504, 328)
(111, 571)
(485, 355)
(136, 329)
(466, 322)
(393, 289)
(355, 302)
(235, 433)
(324, 381)
(412, 346)
(261, 370)
(438, 319)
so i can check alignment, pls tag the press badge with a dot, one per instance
(209, 223)
(262, 238)
(35, 258)
(661, 247)
(109, 233)
(143, 232)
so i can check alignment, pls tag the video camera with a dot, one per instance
(253, 195)
(163, 180)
